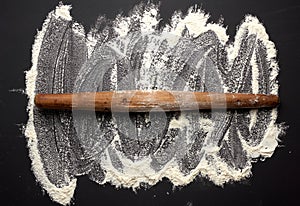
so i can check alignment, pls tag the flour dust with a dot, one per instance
(134, 52)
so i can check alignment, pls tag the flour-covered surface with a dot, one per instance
(133, 52)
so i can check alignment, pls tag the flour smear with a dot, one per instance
(133, 52)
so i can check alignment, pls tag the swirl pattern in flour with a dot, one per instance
(134, 53)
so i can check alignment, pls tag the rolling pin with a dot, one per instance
(153, 100)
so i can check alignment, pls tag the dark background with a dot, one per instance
(274, 182)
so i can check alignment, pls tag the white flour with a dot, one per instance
(193, 144)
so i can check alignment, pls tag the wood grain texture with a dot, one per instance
(157, 100)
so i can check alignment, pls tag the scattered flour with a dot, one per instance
(186, 150)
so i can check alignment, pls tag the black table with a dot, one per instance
(274, 182)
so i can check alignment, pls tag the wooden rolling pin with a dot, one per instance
(145, 101)
(156, 100)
